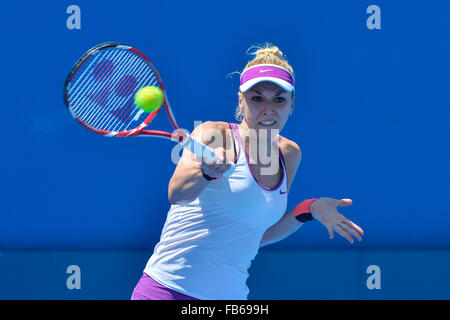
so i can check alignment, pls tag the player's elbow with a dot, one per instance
(173, 199)
(172, 194)
(177, 196)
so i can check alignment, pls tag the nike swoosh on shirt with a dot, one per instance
(281, 192)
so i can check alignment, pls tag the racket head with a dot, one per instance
(99, 90)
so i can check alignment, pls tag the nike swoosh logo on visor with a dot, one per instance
(265, 70)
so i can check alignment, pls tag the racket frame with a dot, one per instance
(180, 136)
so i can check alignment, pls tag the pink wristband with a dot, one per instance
(303, 207)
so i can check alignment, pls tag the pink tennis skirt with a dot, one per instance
(149, 289)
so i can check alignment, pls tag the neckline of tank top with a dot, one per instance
(241, 145)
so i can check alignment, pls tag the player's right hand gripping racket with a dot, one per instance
(99, 93)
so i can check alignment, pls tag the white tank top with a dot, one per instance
(206, 246)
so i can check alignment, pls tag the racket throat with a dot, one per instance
(182, 137)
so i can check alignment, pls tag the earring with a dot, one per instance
(240, 114)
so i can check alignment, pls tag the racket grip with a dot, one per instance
(199, 149)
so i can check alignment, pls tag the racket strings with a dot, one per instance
(79, 89)
(130, 116)
(80, 103)
(97, 109)
(137, 113)
(129, 109)
(93, 113)
(102, 91)
(111, 111)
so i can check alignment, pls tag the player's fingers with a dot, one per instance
(210, 167)
(220, 159)
(208, 161)
(343, 233)
(219, 153)
(354, 226)
(344, 202)
(330, 231)
(351, 231)
(214, 160)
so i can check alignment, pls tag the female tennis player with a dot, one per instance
(216, 225)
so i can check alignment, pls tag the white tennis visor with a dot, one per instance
(267, 72)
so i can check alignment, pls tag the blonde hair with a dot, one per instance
(268, 54)
(265, 54)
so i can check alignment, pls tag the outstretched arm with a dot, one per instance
(323, 210)
(287, 225)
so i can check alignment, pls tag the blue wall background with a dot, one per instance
(371, 116)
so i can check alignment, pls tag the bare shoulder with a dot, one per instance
(217, 125)
(209, 131)
(292, 156)
(291, 150)
(220, 125)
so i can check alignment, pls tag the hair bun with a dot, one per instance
(268, 50)
(268, 54)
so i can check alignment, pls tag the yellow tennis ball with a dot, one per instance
(149, 98)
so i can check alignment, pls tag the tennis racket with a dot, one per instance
(99, 92)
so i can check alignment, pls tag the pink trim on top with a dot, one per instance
(237, 152)
(238, 136)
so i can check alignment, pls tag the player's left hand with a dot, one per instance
(325, 211)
